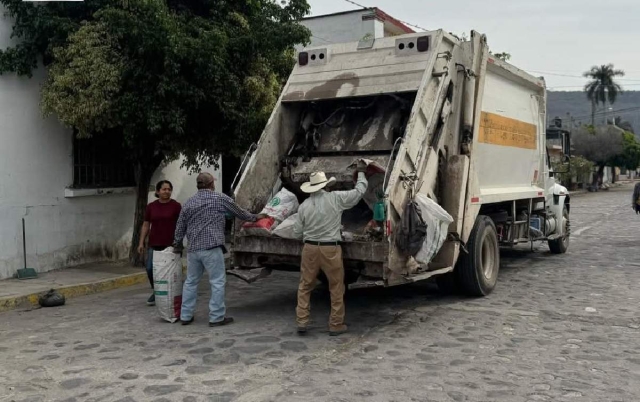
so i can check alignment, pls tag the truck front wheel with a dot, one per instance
(561, 244)
(477, 271)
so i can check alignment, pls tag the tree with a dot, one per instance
(579, 168)
(196, 78)
(602, 87)
(601, 145)
(623, 124)
(504, 56)
(630, 156)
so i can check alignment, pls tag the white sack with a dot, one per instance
(285, 229)
(282, 206)
(167, 283)
(438, 221)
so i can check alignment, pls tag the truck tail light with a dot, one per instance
(303, 58)
(423, 43)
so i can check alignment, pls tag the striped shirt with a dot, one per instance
(202, 219)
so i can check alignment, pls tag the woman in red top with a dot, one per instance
(160, 221)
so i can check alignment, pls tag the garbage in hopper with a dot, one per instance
(285, 229)
(282, 206)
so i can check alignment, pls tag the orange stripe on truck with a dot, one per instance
(504, 131)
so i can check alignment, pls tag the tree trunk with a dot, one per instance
(613, 175)
(597, 176)
(593, 112)
(144, 173)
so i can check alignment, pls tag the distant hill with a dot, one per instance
(577, 104)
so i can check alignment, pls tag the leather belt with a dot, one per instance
(323, 243)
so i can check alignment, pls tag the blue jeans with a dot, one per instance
(150, 265)
(197, 261)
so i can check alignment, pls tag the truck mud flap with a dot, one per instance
(249, 275)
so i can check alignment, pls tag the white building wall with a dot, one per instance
(184, 184)
(35, 170)
(342, 28)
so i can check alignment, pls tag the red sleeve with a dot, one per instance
(178, 209)
(147, 213)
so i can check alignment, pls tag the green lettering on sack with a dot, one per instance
(161, 293)
(162, 282)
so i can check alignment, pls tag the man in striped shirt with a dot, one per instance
(202, 220)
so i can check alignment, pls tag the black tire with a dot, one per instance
(561, 245)
(477, 272)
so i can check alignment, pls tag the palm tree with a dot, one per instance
(602, 87)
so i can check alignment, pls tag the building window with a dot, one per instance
(100, 162)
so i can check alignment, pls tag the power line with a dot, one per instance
(580, 72)
(629, 109)
(570, 75)
(576, 76)
(608, 112)
(404, 22)
(582, 86)
(322, 39)
(356, 4)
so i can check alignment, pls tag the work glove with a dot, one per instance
(177, 248)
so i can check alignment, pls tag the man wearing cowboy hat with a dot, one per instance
(318, 224)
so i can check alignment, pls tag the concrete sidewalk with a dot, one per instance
(71, 282)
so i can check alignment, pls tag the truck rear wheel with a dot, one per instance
(477, 271)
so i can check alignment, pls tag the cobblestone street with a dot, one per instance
(556, 328)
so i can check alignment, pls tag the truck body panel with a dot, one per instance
(443, 117)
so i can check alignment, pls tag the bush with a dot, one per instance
(580, 168)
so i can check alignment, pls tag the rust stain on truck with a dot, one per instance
(327, 90)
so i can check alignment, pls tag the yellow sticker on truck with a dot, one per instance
(500, 130)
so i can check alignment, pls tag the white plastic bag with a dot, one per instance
(282, 206)
(167, 283)
(438, 221)
(285, 229)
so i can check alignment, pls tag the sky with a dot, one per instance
(558, 39)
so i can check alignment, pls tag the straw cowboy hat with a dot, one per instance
(317, 181)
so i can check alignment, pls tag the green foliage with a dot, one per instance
(599, 144)
(579, 168)
(504, 56)
(197, 78)
(630, 156)
(191, 77)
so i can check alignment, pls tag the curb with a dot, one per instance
(71, 291)
(81, 289)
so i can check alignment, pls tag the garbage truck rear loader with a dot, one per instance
(447, 122)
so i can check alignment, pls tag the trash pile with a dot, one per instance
(281, 207)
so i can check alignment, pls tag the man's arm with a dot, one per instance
(298, 225)
(349, 199)
(181, 228)
(233, 208)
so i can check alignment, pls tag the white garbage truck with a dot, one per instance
(448, 122)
